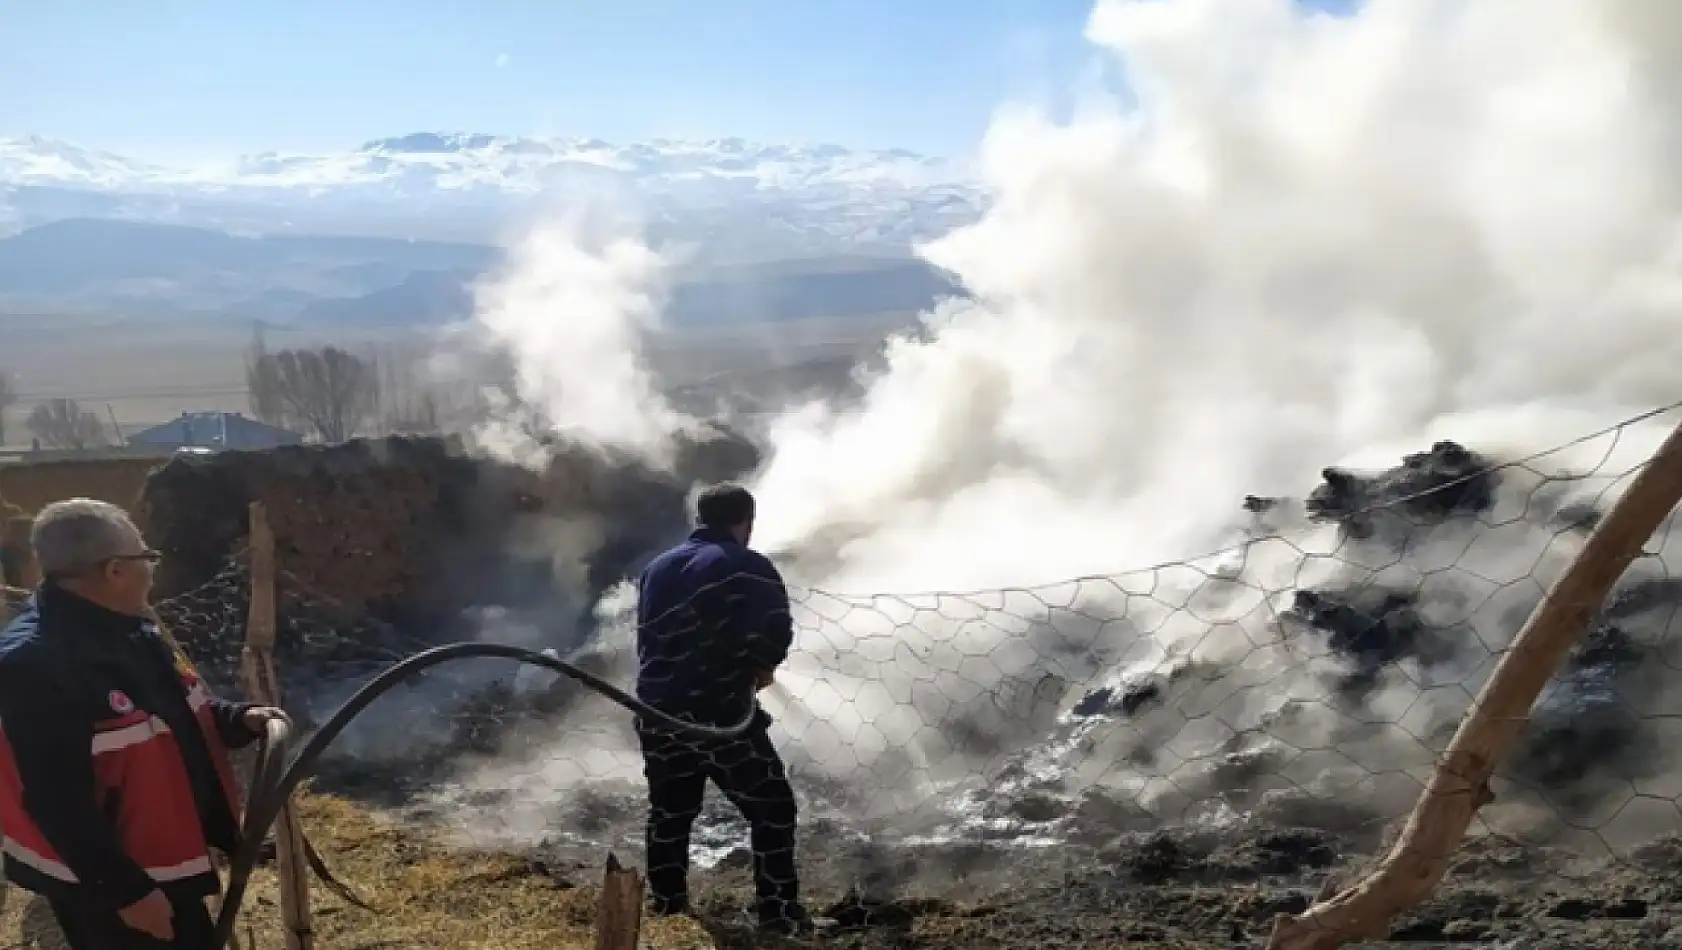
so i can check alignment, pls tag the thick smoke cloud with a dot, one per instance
(1291, 240)
(1308, 237)
(567, 316)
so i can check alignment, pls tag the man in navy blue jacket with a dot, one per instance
(713, 625)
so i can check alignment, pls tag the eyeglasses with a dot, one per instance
(148, 556)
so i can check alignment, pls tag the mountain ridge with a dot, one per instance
(40, 160)
(741, 199)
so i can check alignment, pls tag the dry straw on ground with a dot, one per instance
(424, 896)
(428, 896)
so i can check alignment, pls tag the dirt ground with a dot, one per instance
(1203, 891)
(1142, 892)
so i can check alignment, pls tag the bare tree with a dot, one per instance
(409, 400)
(329, 391)
(419, 416)
(8, 399)
(262, 387)
(64, 424)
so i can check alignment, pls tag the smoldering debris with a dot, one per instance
(1587, 738)
(1374, 627)
(1429, 486)
(1141, 692)
(1585, 723)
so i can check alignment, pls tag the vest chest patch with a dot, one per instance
(120, 703)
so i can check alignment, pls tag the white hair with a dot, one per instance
(74, 535)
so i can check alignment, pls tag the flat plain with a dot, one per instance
(143, 372)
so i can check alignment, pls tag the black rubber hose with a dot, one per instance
(274, 778)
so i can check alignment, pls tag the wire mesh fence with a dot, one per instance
(1173, 753)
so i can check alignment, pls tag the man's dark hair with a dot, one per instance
(723, 506)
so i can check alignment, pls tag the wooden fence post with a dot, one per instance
(26, 572)
(258, 676)
(19, 571)
(1460, 785)
(619, 913)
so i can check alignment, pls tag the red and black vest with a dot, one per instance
(141, 784)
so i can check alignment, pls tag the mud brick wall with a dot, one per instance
(30, 486)
(411, 530)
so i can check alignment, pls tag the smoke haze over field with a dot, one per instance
(1298, 239)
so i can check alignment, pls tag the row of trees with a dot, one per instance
(327, 392)
(54, 423)
(336, 395)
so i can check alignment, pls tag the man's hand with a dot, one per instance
(256, 716)
(764, 678)
(151, 915)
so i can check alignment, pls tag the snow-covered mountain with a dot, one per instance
(33, 160)
(752, 199)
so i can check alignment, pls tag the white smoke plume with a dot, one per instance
(1309, 234)
(569, 312)
(1294, 239)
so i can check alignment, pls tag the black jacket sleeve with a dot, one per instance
(771, 625)
(52, 747)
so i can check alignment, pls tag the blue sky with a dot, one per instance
(177, 80)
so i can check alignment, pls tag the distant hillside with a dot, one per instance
(785, 292)
(423, 297)
(69, 255)
(167, 270)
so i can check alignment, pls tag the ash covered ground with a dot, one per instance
(1169, 755)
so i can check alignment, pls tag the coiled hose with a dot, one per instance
(274, 778)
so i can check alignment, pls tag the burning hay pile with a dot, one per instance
(1326, 715)
(1388, 644)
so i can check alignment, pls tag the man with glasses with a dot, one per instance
(115, 780)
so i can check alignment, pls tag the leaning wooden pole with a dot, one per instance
(8, 594)
(1460, 785)
(258, 676)
(24, 572)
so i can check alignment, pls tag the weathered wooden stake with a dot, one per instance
(258, 675)
(7, 596)
(1460, 785)
(21, 552)
(619, 915)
